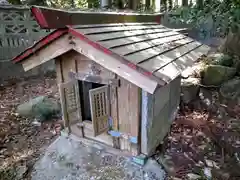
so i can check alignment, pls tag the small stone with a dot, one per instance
(208, 173)
(20, 171)
(189, 89)
(192, 176)
(211, 163)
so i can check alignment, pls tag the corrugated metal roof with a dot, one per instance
(157, 49)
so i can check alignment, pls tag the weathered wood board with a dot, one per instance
(135, 39)
(119, 28)
(48, 53)
(129, 112)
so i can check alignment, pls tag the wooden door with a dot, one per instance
(70, 102)
(99, 102)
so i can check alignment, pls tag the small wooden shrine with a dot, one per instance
(119, 82)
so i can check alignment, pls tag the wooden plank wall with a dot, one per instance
(64, 64)
(124, 100)
(129, 111)
(73, 61)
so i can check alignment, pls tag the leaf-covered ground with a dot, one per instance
(21, 141)
(204, 141)
(202, 138)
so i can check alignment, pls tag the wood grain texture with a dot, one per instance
(99, 103)
(68, 65)
(115, 66)
(70, 101)
(162, 60)
(60, 18)
(84, 65)
(117, 28)
(49, 52)
(174, 68)
(128, 105)
(125, 34)
(156, 51)
(137, 47)
(151, 39)
(135, 39)
(114, 107)
(59, 69)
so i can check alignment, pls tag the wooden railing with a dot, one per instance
(18, 30)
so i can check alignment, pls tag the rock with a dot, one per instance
(216, 74)
(192, 176)
(41, 108)
(223, 60)
(220, 174)
(156, 170)
(208, 172)
(189, 89)
(211, 163)
(20, 172)
(167, 163)
(232, 43)
(209, 99)
(231, 89)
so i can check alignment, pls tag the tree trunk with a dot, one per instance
(105, 3)
(72, 4)
(157, 5)
(120, 4)
(200, 4)
(170, 4)
(164, 4)
(148, 4)
(133, 4)
(90, 5)
(184, 2)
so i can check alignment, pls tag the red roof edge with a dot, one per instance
(40, 44)
(49, 18)
(109, 52)
(39, 17)
(159, 18)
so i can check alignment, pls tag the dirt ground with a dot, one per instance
(21, 141)
(205, 140)
(201, 137)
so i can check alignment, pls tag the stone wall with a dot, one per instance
(18, 30)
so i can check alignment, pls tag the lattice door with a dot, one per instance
(70, 100)
(99, 103)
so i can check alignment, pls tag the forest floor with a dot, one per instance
(22, 141)
(204, 142)
(201, 140)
